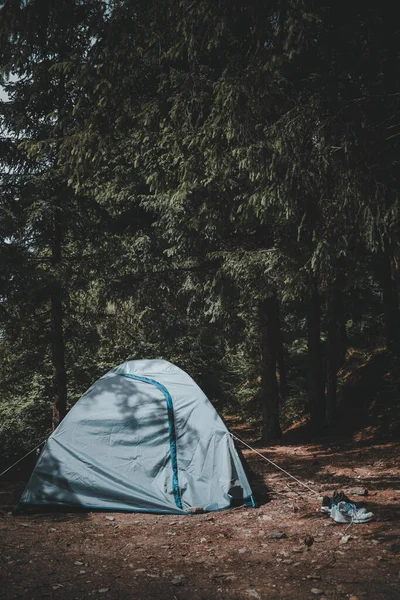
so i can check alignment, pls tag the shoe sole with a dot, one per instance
(360, 521)
(343, 520)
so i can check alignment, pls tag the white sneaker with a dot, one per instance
(344, 512)
(328, 510)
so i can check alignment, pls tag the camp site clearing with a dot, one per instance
(238, 553)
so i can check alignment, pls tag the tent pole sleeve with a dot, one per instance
(171, 430)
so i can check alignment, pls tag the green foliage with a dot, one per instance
(198, 157)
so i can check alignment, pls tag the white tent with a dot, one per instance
(143, 438)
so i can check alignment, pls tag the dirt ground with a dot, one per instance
(232, 554)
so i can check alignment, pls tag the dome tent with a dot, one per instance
(143, 438)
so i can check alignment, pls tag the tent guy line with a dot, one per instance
(235, 437)
(27, 454)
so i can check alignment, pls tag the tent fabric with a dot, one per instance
(143, 438)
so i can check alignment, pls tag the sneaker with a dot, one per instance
(345, 512)
(327, 509)
(326, 504)
(337, 497)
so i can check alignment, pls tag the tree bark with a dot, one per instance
(336, 346)
(57, 337)
(331, 366)
(271, 430)
(280, 355)
(316, 384)
(390, 301)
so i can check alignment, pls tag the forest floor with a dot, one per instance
(235, 554)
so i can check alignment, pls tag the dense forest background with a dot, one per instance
(215, 183)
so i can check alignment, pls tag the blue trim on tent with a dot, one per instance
(19, 509)
(251, 502)
(171, 430)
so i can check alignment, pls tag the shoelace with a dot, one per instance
(352, 512)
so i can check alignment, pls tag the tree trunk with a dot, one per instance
(280, 356)
(390, 301)
(316, 385)
(271, 430)
(331, 353)
(57, 339)
(336, 346)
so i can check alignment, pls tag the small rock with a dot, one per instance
(103, 590)
(139, 571)
(253, 594)
(195, 510)
(319, 538)
(353, 597)
(110, 518)
(277, 535)
(345, 539)
(248, 534)
(266, 518)
(203, 541)
(359, 491)
(78, 562)
(242, 550)
(317, 591)
(177, 580)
